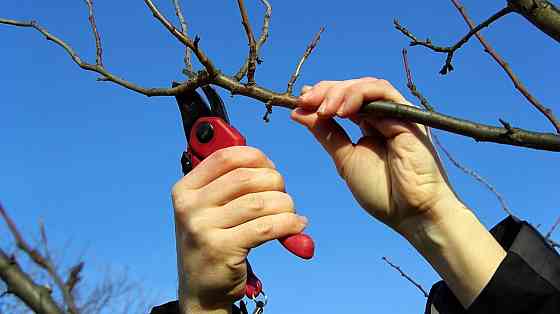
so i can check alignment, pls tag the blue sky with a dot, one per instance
(96, 162)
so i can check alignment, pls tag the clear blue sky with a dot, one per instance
(96, 162)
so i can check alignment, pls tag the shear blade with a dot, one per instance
(192, 107)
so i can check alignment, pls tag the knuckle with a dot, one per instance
(385, 83)
(243, 176)
(287, 201)
(194, 227)
(184, 201)
(369, 79)
(255, 202)
(239, 156)
(276, 179)
(264, 230)
(254, 154)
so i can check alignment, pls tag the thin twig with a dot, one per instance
(549, 233)
(516, 82)
(252, 58)
(268, 112)
(107, 76)
(410, 83)
(407, 277)
(185, 30)
(308, 52)
(98, 48)
(192, 44)
(74, 276)
(262, 39)
(450, 50)
(434, 137)
(473, 174)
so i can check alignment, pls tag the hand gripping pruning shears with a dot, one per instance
(207, 129)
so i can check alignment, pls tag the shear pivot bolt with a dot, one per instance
(205, 132)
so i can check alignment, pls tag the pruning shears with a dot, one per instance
(208, 129)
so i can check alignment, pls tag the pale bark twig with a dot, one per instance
(262, 39)
(407, 277)
(547, 112)
(410, 83)
(98, 48)
(252, 58)
(185, 30)
(306, 54)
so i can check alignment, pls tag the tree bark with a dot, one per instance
(540, 13)
(36, 297)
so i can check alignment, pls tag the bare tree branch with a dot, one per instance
(308, 52)
(107, 76)
(516, 82)
(541, 13)
(36, 297)
(252, 58)
(185, 30)
(450, 50)
(42, 261)
(260, 42)
(212, 75)
(407, 277)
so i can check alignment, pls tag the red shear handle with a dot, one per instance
(210, 134)
(299, 244)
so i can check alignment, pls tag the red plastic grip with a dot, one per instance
(224, 135)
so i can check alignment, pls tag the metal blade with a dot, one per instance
(216, 104)
(192, 106)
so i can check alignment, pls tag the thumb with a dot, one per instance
(328, 132)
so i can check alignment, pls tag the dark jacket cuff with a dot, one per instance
(527, 280)
(173, 308)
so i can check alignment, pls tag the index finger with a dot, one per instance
(223, 161)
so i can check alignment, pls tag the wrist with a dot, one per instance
(192, 304)
(458, 247)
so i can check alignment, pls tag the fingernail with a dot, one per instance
(341, 110)
(303, 219)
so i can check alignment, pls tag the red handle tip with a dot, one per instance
(299, 244)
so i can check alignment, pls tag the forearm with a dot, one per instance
(460, 249)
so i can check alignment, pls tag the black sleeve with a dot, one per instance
(527, 280)
(173, 308)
